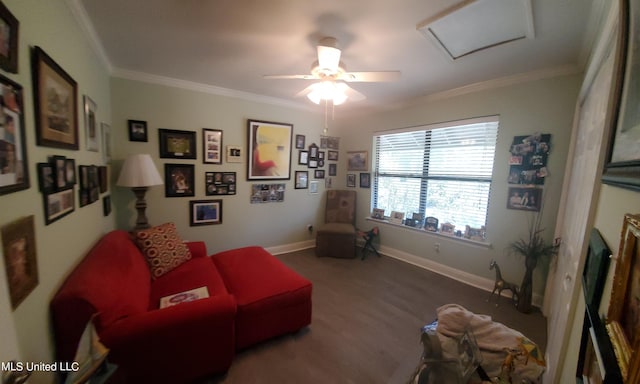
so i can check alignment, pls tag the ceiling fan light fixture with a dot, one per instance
(328, 90)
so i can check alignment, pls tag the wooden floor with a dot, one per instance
(366, 322)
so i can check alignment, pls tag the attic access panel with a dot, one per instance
(475, 25)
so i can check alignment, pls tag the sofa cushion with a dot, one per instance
(163, 248)
(199, 272)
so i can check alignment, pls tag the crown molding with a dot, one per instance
(204, 88)
(80, 14)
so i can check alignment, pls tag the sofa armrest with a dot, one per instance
(192, 338)
(197, 248)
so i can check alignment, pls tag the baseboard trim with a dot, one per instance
(447, 271)
(292, 247)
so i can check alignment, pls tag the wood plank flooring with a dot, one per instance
(366, 322)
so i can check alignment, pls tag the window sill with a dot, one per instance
(429, 233)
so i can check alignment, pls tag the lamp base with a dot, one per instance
(141, 206)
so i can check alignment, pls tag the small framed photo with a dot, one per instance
(396, 217)
(103, 178)
(211, 146)
(220, 183)
(179, 180)
(377, 213)
(46, 177)
(70, 172)
(56, 123)
(313, 151)
(365, 180)
(9, 49)
(58, 205)
(447, 229)
(14, 166)
(357, 161)
(431, 224)
(525, 199)
(234, 154)
(205, 212)
(351, 180)
(106, 205)
(60, 169)
(138, 130)
(302, 180)
(176, 144)
(333, 169)
(300, 139)
(303, 157)
(332, 155)
(106, 142)
(318, 174)
(20, 261)
(313, 187)
(90, 124)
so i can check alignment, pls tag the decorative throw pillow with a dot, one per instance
(163, 248)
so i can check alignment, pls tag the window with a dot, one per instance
(441, 170)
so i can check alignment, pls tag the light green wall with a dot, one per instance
(243, 223)
(50, 25)
(545, 106)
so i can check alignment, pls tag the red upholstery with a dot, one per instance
(272, 299)
(252, 297)
(174, 344)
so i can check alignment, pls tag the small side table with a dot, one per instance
(368, 244)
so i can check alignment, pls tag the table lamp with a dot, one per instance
(139, 173)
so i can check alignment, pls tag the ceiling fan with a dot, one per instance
(332, 76)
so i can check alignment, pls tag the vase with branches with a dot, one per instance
(533, 248)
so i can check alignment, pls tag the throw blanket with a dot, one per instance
(506, 353)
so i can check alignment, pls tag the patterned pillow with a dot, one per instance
(162, 247)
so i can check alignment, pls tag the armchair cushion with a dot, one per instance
(163, 248)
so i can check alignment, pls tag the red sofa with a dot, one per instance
(252, 297)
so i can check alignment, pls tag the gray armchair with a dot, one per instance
(337, 236)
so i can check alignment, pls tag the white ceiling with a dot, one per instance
(228, 45)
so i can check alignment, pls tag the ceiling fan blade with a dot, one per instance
(353, 95)
(305, 91)
(380, 76)
(328, 58)
(303, 77)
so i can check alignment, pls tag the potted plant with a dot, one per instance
(533, 248)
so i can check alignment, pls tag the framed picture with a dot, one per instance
(14, 167)
(70, 172)
(365, 180)
(220, 183)
(60, 170)
(377, 213)
(313, 163)
(623, 159)
(328, 183)
(357, 161)
(179, 180)
(313, 151)
(525, 199)
(623, 319)
(269, 155)
(106, 205)
(267, 193)
(303, 157)
(9, 48)
(313, 187)
(138, 130)
(58, 205)
(103, 178)
(90, 124)
(20, 261)
(330, 142)
(333, 169)
(351, 180)
(447, 229)
(396, 217)
(176, 144)
(106, 142)
(56, 122)
(332, 155)
(211, 146)
(45, 177)
(300, 139)
(205, 212)
(302, 180)
(234, 154)
(318, 174)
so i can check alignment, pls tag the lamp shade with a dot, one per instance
(139, 171)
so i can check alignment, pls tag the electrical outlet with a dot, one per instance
(310, 228)
(436, 246)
